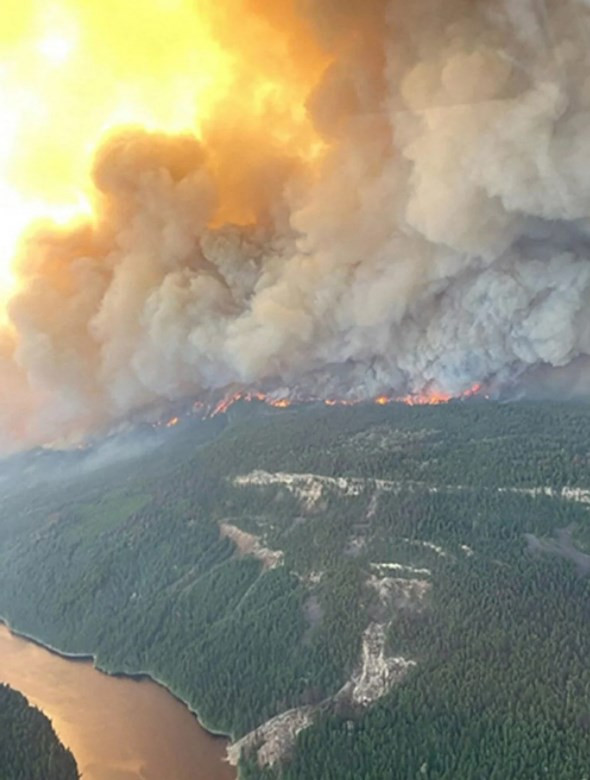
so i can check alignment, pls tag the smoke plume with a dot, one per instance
(437, 237)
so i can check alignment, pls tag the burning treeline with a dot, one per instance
(208, 409)
(221, 406)
(352, 197)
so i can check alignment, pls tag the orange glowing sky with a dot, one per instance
(72, 70)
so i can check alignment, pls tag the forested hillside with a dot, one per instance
(354, 593)
(29, 748)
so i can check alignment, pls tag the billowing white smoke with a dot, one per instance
(444, 242)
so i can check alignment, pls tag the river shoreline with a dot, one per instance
(134, 676)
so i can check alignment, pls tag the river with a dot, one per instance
(117, 728)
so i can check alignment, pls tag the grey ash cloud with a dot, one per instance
(444, 240)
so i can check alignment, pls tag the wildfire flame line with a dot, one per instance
(427, 398)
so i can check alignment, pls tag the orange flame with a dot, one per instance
(282, 403)
(429, 397)
(249, 396)
(434, 397)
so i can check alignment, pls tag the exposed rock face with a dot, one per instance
(308, 488)
(397, 587)
(249, 544)
(274, 739)
(377, 673)
(374, 676)
(400, 593)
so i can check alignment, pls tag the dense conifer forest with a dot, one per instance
(29, 748)
(256, 561)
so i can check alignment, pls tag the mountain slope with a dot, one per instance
(353, 593)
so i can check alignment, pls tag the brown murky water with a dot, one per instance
(117, 729)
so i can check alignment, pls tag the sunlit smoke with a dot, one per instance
(72, 70)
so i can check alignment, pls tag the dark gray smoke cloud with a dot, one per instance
(443, 242)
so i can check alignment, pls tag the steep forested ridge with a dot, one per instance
(29, 748)
(410, 582)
